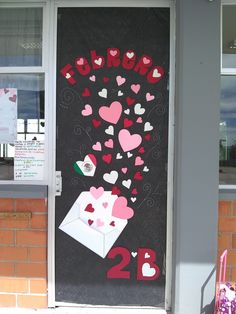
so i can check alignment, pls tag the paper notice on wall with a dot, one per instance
(8, 115)
(29, 160)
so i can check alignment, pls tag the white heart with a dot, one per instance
(147, 127)
(130, 55)
(110, 130)
(138, 109)
(120, 93)
(98, 61)
(129, 154)
(133, 199)
(127, 111)
(145, 169)
(146, 255)
(118, 156)
(156, 73)
(103, 93)
(134, 254)
(111, 177)
(127, 183)
(147, 271)
(68, 75)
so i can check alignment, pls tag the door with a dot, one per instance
(112, 151)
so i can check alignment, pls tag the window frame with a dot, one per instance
(225, 71)
(43, 69)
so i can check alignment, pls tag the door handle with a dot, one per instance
(58, 183)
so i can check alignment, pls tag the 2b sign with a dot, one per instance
(146, 267)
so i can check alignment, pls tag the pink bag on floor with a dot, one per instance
(225, 295)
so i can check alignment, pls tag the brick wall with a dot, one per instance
(23, 249)
(227, 236)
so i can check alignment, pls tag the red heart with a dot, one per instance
(130, 101)
(6, 90)
(89, 208)
(106, 79)
(112, 224)
(96, 123)
(134, 191)
(115, 190)
(107, 158)
(141, 150)
(90, 222)
(86, 92)
(147, 136)
(13, 98)
(127, 123)
(138, 176)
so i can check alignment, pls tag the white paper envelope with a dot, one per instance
(90, 222)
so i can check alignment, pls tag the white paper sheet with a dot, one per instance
(29, 160)
(8, 115)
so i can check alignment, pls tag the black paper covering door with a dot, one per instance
(112, 145)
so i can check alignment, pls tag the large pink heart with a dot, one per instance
(96, 192)
(121, 210)
(129, 141)
(111, 114)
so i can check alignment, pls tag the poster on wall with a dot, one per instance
(29, 160)
(8, 115)
(112, 150)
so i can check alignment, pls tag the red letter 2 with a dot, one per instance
(117, 270)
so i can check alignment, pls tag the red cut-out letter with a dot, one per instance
(155, 75)
(97, 61)
(68, 73)
(128, 61)
(147, 269)
(113, 57)
(144, 63)
(82, 66)
(117, 270)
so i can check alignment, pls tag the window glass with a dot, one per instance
(227, 141)
(229, 37)
(26, 93)
(21, 36)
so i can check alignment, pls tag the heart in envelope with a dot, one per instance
(97, 219)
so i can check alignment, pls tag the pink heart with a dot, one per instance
(138, 161)
(96, 192)
(92, 78)
(99, 222)
(146, 60)
(97, 146)
(135, 88)
(120, 209)
(80, 61)
(105, 204)
(149, 97)
(109, 143)
(139, 120)
(111, 114)
(120, 80)
(127, 141)
(124, 170)
(87, 110)
(113, 53)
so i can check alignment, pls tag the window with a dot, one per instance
(22, 96)
(21, 36)
(227, 140)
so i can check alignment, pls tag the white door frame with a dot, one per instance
(52, 19)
